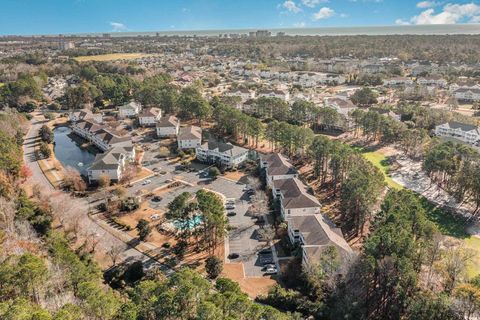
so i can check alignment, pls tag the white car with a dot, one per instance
(271, 270)
(146, 182)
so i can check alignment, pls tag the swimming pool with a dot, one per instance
(194, 222)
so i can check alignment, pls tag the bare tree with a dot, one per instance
(62, 207)
(94, 240)
(7, 215)
(453, 265)
(73, 181)
(76, 227)
(115, 252)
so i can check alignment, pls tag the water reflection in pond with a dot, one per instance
(69, 151)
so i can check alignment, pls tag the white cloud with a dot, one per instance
(313, 3)
(323, 13)
(426, 4)
(117, 26)
(402, 22)
(291, 6)
(451, 14)
(299, 25)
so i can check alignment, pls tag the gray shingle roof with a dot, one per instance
(109, 160)
(150, 112)
(190, 133)
(319, 232)
(295, 194)
(167, 121)
(462, 126)
(223, 147)
(278, 165)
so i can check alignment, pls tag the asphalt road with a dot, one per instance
(77, 207)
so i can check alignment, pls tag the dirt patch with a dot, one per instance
(234, 175)
(253, 287)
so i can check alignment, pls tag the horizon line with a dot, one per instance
(250, 29)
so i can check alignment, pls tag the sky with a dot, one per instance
(85, 16)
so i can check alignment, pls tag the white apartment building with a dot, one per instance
(342, 105)
(129, 110)
(285, 95)
(277, 167)
(294, 198)
(149, 117)
(398, 81)
(167, 126)
(468, 95)
(307, 227)
(112, 164)
(461, 131)
(244, 94)
(189, 137)
(315, 234)
(222, 154)
(433, 81)
(103, 137)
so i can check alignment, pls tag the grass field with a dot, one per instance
(451, 226)
(111, 56)
(379, 160)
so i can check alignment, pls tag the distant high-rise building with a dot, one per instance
(280, 34)
(106, 35)
(66, 45)
(263, 34)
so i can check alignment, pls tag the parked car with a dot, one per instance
(271, 271)
(146, 182)
(230, 206)
(232, 256)
(231, 214)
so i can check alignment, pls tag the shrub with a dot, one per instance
(214, 172)
(45, 150)
(213, 266)
(144, 229)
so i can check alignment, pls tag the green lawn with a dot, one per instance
(446, 223)
(473, 243)
(379, 160)
(450, 226)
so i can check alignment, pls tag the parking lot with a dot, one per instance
(243, 239)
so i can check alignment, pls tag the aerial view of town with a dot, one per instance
(299, 169)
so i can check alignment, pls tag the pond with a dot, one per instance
(69, 151)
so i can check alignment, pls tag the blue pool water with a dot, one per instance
(189, 224)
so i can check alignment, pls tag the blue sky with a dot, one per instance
(77, 16)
